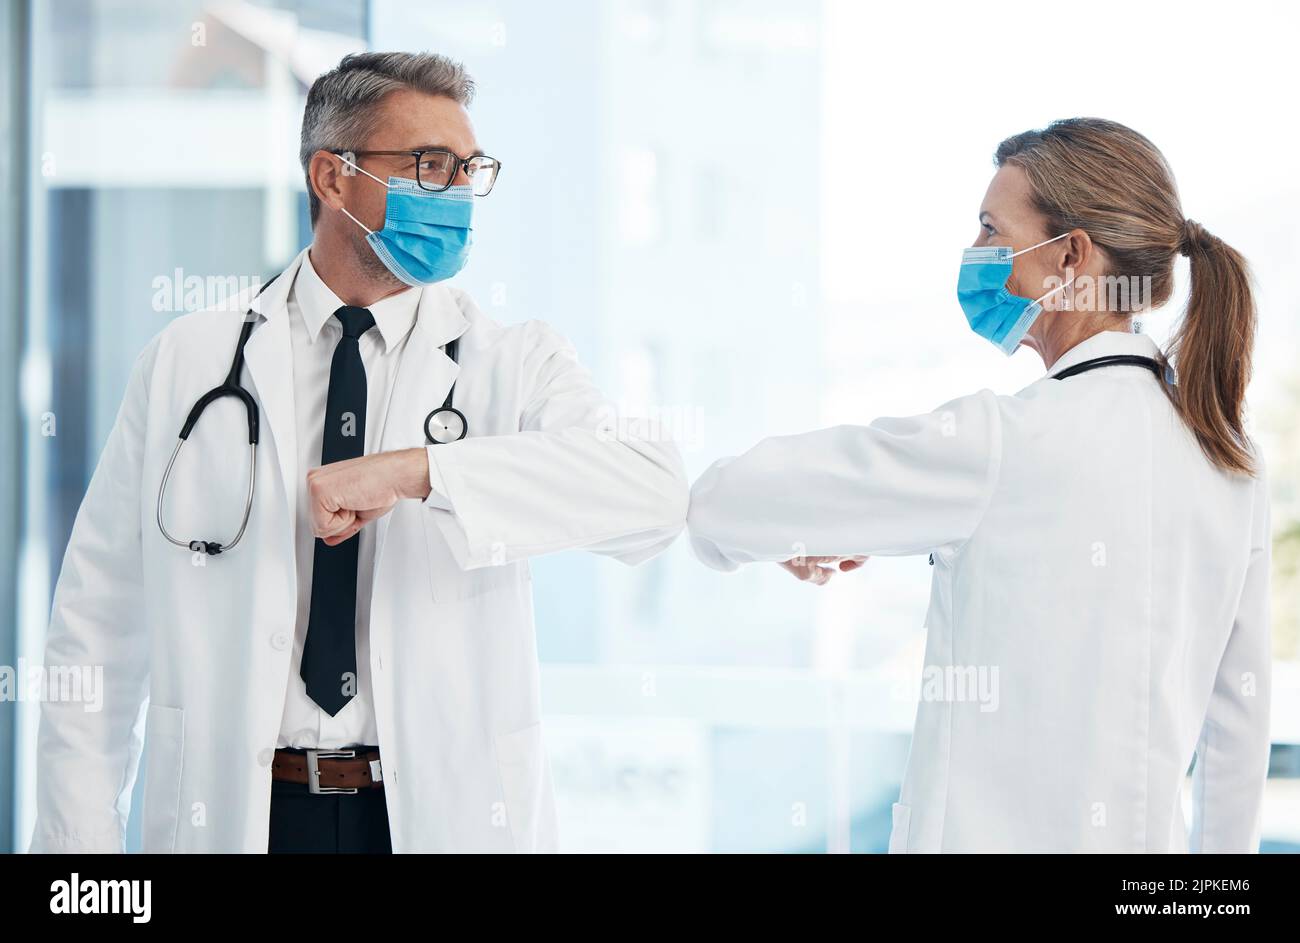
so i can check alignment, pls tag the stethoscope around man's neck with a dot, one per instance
(231, 387)
(444, 424)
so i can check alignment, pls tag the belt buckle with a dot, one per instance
(313, 772)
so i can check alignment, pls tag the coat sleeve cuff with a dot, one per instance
(437, 498)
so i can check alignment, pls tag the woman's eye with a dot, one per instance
(989, 229)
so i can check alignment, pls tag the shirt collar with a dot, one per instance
(1105, 344)
(394, 315)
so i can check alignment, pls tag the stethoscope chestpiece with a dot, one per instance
(444, 425)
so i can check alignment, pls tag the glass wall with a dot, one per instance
(747, 216)
(163, 159)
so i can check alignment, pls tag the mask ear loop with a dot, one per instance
(1014, 254)
(1061, 287)
(385, 185)
(369, 231)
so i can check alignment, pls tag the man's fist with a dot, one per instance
(347, 495)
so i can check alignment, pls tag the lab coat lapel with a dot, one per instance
(424, 376)
(269, 358)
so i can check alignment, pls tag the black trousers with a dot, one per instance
(328, 824)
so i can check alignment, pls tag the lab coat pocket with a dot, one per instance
(164, 756)
(521, 766)
(901, 827)
(449, 583)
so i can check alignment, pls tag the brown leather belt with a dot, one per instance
(329, 772)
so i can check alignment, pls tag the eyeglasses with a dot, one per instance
(436, 168)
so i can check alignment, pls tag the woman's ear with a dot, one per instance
(1078, 250)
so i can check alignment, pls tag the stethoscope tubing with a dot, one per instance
(203, 546)
(1098, 363)
(232, 387)
(1112, 360)
(452, 351)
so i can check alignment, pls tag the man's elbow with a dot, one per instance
(712, 521)
(664, 498)
(671, 493)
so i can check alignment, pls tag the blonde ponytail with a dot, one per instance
(1212, 346)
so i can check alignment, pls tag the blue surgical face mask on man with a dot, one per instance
(426, 236)
(992, 311)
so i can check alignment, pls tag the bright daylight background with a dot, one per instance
(747, 214)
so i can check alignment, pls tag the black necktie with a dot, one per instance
(329, 652)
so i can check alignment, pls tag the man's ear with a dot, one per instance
(325, 173)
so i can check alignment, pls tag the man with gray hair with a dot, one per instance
(356, 669)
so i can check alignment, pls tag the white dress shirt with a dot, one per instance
(314, 333)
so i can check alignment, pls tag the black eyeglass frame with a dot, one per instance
(462, 165)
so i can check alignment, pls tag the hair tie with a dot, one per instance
(1191, 235)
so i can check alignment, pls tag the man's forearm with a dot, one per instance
(411, 472)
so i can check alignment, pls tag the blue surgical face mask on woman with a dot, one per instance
(992, 311)
(426, 236)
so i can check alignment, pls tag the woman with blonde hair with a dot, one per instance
(1100, 540)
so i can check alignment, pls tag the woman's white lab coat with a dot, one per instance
(1091, 569)
(197, 650)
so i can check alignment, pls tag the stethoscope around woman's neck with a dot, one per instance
(444, 424)
(1111, 360)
